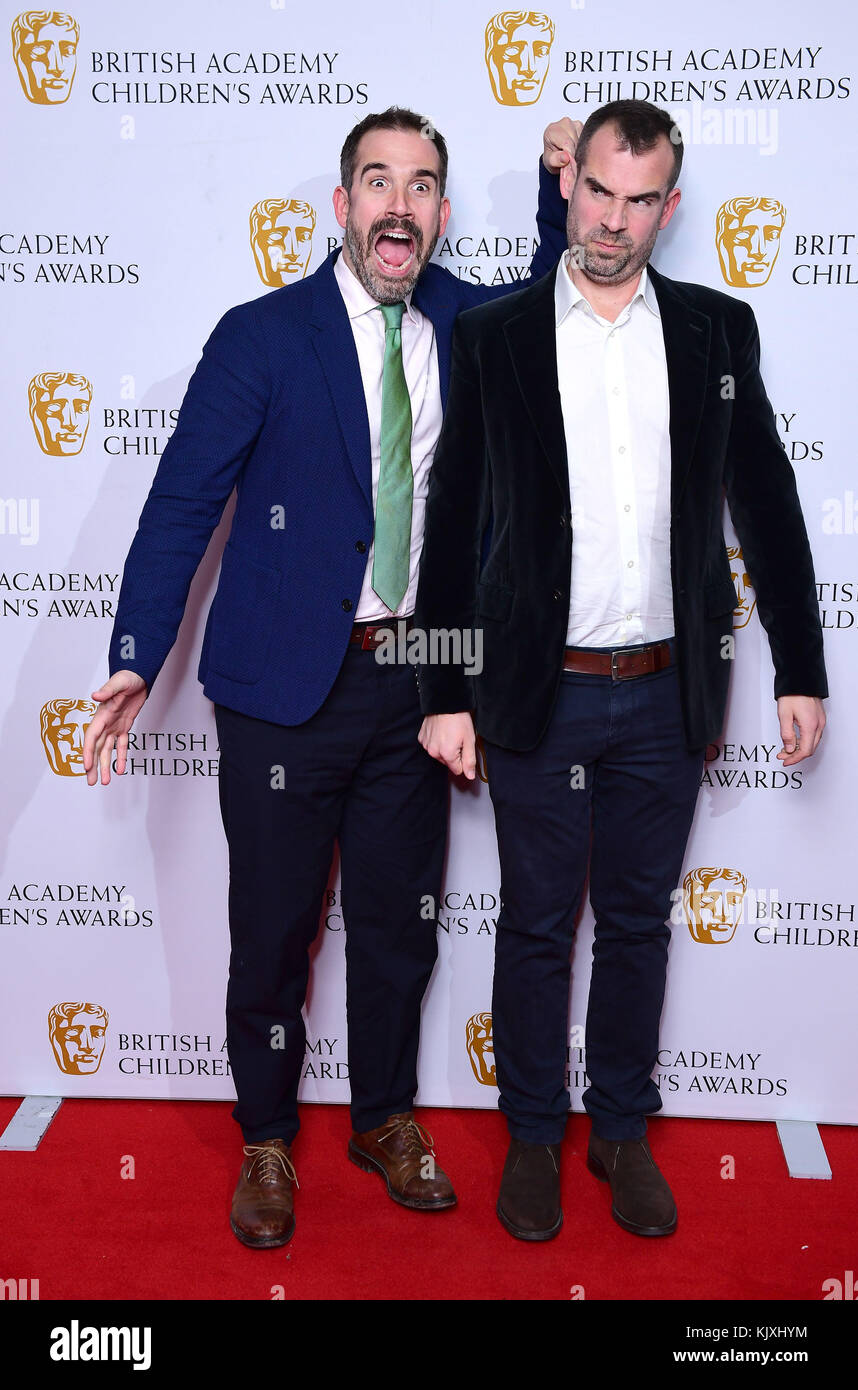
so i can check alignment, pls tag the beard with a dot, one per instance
(604, 268)
(387, 289)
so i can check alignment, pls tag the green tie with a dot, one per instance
(394, 498)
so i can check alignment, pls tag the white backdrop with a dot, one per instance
(137, 149)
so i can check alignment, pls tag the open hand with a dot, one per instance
(121, 699)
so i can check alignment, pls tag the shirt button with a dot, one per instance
(622, 449)
(628, 617)
(627, 507)
(616, 391)
(347, 605)
(360, 547)
(631, 564)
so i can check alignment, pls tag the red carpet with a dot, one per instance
(69, 1219)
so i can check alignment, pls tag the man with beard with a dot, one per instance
(604, 411)
(321, 403)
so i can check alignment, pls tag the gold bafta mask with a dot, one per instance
(748, 234)
(747, 599)
(478, 1040)
(713, 900)
(44, 47)
(77, 1033)
(64, 724)
(281, 235)
(518, 49)
(59, 409)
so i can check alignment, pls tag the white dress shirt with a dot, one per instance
(420, 363)
(616, 415)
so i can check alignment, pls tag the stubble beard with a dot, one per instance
(384, 289)
(608, 269)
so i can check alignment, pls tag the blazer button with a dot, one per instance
(563, 522)
(360, 547)
(558, 593)
(347, 605)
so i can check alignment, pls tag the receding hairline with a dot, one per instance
(625, 146)
(395, 119)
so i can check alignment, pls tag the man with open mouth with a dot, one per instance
(321, 404)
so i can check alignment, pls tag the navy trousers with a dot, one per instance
(353, 773)
(611, 788)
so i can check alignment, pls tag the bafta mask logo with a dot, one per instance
(747, 599)
(478, 1040)
(59, 409)
(518, 48)
(64, 724)
(748, 233)
(281, 234)
(713, 900)
(77, 1033)
(44, 47)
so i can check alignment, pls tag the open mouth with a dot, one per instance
(394, 251)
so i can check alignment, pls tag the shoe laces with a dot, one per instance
(271, 1162)
(414, 1136)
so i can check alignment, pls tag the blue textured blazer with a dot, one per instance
(276, 410)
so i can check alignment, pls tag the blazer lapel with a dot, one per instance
(335, 348)
(433, 297)
(532, 344)
(687, 334)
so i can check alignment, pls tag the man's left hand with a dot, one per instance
(559, 141)
(806, 713)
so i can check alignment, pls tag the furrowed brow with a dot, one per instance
(600, 188)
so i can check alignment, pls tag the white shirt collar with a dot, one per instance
(357, 300)
(567, 295)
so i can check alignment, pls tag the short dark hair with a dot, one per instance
(394, 118)
(640, 126)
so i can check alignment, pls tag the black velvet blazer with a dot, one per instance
(501, 464)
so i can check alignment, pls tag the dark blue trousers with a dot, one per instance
(355, 774)
(611, 788)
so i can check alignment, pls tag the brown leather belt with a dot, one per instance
(367, 636)
(621, 665)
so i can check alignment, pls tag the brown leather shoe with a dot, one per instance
(529, 1200)
(643, 1202)
(262, 1214)
(402, 1151)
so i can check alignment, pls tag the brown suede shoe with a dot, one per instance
(402, 1152)
(529, 1200)
(262, 1214)
(643, 1202)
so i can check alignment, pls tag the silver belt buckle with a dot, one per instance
(615, 670)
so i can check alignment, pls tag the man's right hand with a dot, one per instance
(450, 738)
(121, 699)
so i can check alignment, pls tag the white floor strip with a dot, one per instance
(30, 1121)
(803, 1149)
